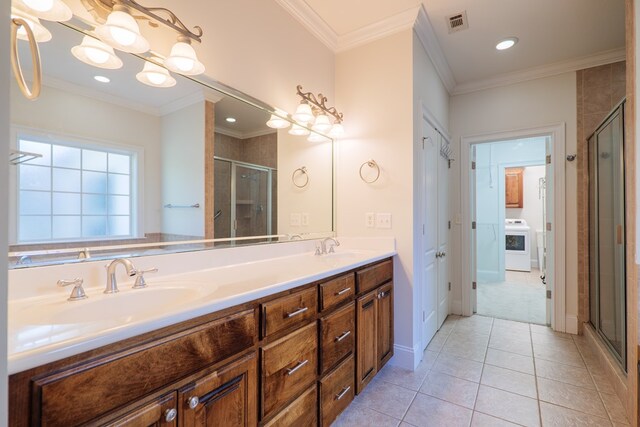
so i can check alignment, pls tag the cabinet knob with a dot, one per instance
(170, 415)
(193, 402)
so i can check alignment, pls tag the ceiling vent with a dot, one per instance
(457, 22)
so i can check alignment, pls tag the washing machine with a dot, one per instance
(517, 245)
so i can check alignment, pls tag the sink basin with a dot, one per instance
(126, 305)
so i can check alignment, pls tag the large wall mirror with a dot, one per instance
(122, 168)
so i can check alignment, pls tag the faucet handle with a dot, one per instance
(318, 249)
(140, 282)
(78, 292)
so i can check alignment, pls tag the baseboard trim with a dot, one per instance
(406, 357)
(455, 307)
(571, 324)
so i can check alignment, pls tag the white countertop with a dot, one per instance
(44, 327)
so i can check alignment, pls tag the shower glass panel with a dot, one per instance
(606, 233)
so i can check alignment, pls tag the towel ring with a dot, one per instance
(34, 91)
(372, 164)
(303, 171)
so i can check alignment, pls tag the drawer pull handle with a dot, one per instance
(382, 295)
(343, 336)
(343, 392)
(193, 402)
(342, 292)
(170, 415)
(291, 371)
(298, 311)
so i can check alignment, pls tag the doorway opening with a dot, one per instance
(509, 183)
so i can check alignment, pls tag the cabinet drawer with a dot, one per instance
(161, 412)
(290, 310)
(301, 412)
(337, 291)
(336, 392)
(288, 366)
(337, 336)
(374, 276)
(79, 394)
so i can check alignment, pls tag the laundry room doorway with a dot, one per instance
(511, 237)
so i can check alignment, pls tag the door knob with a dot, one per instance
(193, 402)
(170, 415)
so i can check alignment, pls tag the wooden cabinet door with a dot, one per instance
(367, 337)
(161, 412)
(513, 186)
(385, 324)
(226, 397)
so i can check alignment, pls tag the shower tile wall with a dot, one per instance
(598, 90)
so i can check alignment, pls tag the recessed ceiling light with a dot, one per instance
(102, 79)
(231, 120)
(506, 43)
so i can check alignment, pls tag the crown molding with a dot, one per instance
(242, 135)
(188, 100)
(575, 64)
(310, 19)
(427, 36)
(378, 30)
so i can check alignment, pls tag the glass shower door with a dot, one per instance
(252, 201)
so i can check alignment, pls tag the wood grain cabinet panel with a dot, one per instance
(385, 324)
(367, 339)
(374, 276)
(80, 394)
(337, 291)
(301, 412)
(289, 366)
(337, 336)
(226, 397)
(336, 392)
(513, 187)
(162, 412)
(288, 311)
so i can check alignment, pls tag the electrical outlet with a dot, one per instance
(383, 220)
(294, 220)
(305, 219)
(370, 220)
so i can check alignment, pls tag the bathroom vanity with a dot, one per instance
(292, 357)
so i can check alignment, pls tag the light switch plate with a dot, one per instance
(305, 219)
(383, 220)
(294, 220)
(370, 220)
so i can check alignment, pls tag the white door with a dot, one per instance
(443, 236)
(549, 230)
(430, 154)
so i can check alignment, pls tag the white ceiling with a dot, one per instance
(550, 31)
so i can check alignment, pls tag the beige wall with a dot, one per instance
(4, 185)
(526, 105)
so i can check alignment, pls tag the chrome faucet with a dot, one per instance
(112, 285)
(323, 246)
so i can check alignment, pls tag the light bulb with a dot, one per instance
(51, 10)
(322, 124)
(96, 55)
(156, 78)
(155, 75)
(303, 113)
(183, 60)
(123, 36)
(121, 31)
(298, 130)
(94, 52)
(39, 5)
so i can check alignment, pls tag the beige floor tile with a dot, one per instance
(602, 380)
(557, 416)
(458, 367)
(555, 344)
(452, 389)
(510, 324)
(522, 347)
(540, 329)
(574, 375)
(510, 334)
(431, 412)
(577, 398)
(438, 341)
(483, 420)
(515, 362)
(357, 415)
(508, 380)
(615, 408)
(557, 355)
(468, 350)
(411, 380)
(508, 406)
(387, 398)
(550, 339)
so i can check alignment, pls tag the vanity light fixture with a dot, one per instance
(155, 76)
(94, 52)
(303, 113)
(298, 130)
(40, 32)
(337, 130)
(314, 107)
(50, 10)
(183, 58)
(276, 122)
(322, 123)
(507, 43)
(122, 32)
(102, 79)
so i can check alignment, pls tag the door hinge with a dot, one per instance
(424, 138)
(548, 226)
(449, 286)
(424, 316)
(449, 224)
(549, 294)
(473, 165)
(423, 229)
(473, 285)
(473, 225)
(548, 159)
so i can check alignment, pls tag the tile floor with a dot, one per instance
(480, 371)
(520, 297)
